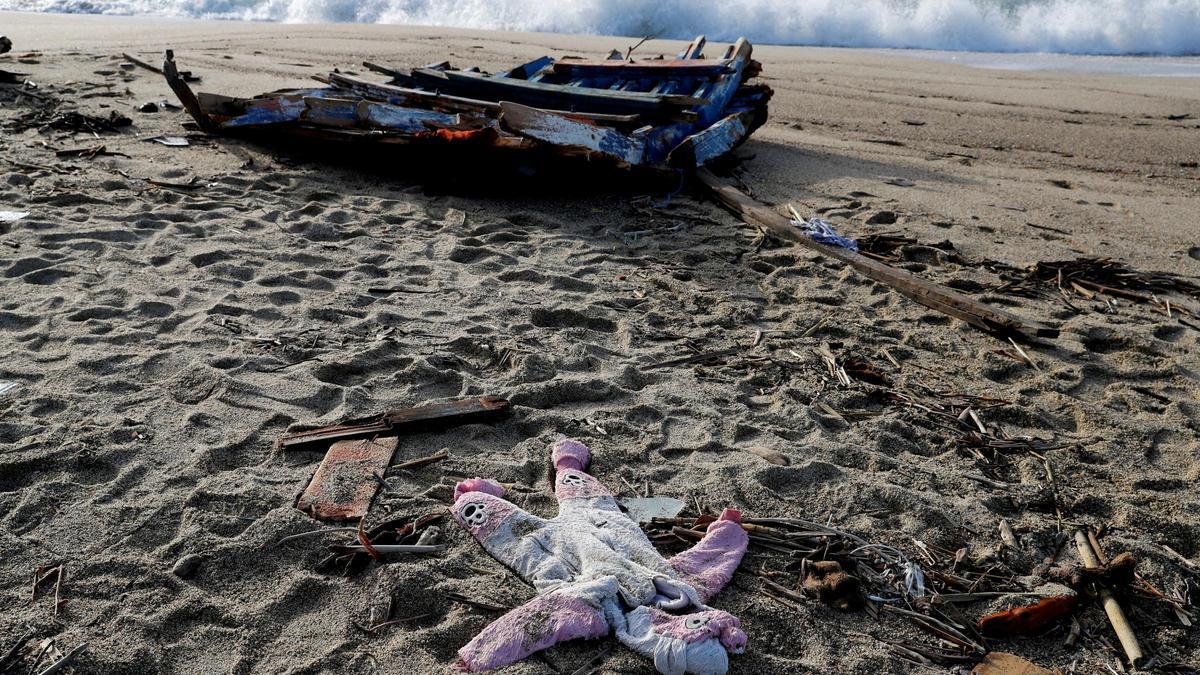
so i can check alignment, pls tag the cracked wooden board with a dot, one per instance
(344, 485)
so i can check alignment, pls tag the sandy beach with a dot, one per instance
(166, 315)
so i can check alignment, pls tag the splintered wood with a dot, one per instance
(923, 291)
(343, 486)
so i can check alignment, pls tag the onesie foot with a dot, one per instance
(484, 485)
(569, 454)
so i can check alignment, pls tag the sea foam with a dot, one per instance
(1165, 27)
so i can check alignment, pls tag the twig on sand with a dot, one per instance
(288, 365)
(57, 589)
(313, 533)
(64, 661)
(595, 662)
(12, 652)
(45, 648)
(1116, 616)
(141, 63)
(371, 630)
(477, 604)
(382, 549)
(421, 461)
(639, 44)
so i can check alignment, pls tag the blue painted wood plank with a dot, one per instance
(567, 133)
(712, 142)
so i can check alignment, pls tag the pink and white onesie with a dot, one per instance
(596, 572)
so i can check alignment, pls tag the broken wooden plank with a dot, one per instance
(712, 142)
(349, 113)
(344, 485)
(540, 94)
(406, 420)
(414, 97)
(923, 291)
(527, 71)
(138, 62)
(560, 130)
(184, 93)
(642, 69)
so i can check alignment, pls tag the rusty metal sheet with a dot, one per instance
(344, 484)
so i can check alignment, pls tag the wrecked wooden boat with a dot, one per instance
(655, 113)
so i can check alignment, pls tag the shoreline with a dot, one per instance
(1131, 65)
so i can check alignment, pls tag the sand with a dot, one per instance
(161, 340)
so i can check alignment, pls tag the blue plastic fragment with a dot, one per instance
(822, 232)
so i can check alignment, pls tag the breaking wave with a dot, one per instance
(1112, 27)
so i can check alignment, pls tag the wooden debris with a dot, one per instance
(65, 661)
(925, 292)
(421, 461)
(652, 113)
(343, 487)
(395, 535)
(430, 417)
(1116, 615)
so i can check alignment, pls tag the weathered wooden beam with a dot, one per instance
(559, 96)
(712, 142)
(184, 93)
(923, 291)
(373, 114)
(405, 96)
(641, 69)
(560, 130)
(406, 420)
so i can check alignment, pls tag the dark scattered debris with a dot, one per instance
(88, 152)
(47, 119)
(882, 218)
(826, 580)
(1105, 275)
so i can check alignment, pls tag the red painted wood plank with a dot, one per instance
(343, 486)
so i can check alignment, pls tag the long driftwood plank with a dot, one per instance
(544, 95)
(923, 291)
(642, 69)
(406, 420)
(393, 94)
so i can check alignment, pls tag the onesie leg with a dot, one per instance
(514, 537)
(532, 627)
(710, 564)
(574, 488)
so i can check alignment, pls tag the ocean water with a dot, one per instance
(1100, 27)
